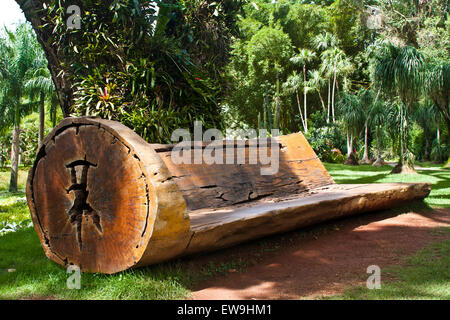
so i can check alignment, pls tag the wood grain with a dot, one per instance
(220, 185)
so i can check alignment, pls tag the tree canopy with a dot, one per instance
(287, 64)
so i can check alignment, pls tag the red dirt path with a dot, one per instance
(332, 262)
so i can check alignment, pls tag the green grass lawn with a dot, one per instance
(439, 179)
(426, 275)
(13, 208)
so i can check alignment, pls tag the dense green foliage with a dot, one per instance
(153, 65)
(368, 80)
(18, 51)
(320, 66)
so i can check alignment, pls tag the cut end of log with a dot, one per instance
(91, 201)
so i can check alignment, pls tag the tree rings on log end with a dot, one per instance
(91, 199)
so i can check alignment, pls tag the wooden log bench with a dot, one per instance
(105, 200)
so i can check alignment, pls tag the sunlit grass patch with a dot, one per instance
(14, 209)
(440, 179)
(425, 275)
(5, 175)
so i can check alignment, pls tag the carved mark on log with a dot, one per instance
(80, 206)
(90, 197)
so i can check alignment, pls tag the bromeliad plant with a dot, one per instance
(135, 60)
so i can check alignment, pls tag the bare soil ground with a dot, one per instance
(325, 260)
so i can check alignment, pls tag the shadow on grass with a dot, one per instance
(366, 179)
(36, 276)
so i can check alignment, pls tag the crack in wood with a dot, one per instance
(212, 186)
(81, 207)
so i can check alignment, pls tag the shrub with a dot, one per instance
(327, 141)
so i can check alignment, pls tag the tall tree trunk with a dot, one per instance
(15, 150)
(351, 158)
(41, 118)
(54, 112)
(349, 144)
(438, 133)
(332, 97)
(304, 97)
(277, 106)
(329, 98)
(440, 156)
(321, 101)
(61, 78)
(404, 164)
(366, 159)
(427, 148)
(300, 110)
(379, 162)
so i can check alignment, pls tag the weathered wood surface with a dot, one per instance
(220, 185)
(215, 229)
(105, 200)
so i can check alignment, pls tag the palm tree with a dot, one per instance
(324, 41)
(321, 42)
(399, 72)
(366, 101)
(40, 84)
(437, 150)
(352, 116)
(437, 86)
(425, 118)
(305, 56)
(292, 86)
(393, 123)
(17, 55)
(316, 82)
(345, 68)
(331, 59)
(377, 120)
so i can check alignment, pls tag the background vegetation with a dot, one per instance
(367, 79)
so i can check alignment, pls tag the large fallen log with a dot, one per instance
(105, 200)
